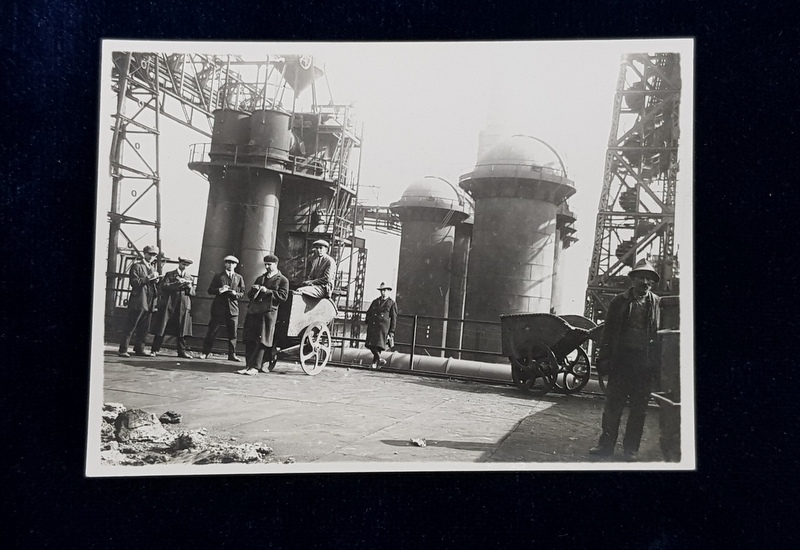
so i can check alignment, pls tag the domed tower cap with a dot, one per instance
(646, 269)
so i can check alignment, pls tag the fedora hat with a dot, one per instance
(644, 267)
(384, 286)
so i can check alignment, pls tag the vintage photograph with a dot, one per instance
(387, 257)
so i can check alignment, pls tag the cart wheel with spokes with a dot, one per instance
(574, 373)
(315, 348)
(534, 369)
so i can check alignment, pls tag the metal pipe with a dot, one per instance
(413, 340)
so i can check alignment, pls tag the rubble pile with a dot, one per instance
(136, 437)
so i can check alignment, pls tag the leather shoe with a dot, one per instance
(187, 355)
(381, 363)
(234, 358)
(146, 353)
(601, 451)
(203, 356)
(630, 456)
(123, 354)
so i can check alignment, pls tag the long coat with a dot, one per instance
(262, 313)
(174, 315)
(226, 305)
(143, 292)
(323, 273)
(381, 320)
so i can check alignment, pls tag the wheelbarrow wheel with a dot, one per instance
(534, 369)
(315, 348)
(574, 373)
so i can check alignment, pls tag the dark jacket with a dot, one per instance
(616, 320)
(143, 292)
(174, 315)
(226, 305)
(381, 320)
(323, 273)
(262, 312)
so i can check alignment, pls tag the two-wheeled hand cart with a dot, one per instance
(304, 327)
(545, 350)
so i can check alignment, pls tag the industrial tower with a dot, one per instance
(636, 213)
(219, 96)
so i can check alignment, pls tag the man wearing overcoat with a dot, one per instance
(323, 273)
(174, 315)
(629, 352)
(227, 287)
(381, 322)
(268, 292)
(141, 303)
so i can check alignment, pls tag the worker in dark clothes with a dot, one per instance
(174, 316)
(227, 287)
(268, 292)
(141, 303)
(323, 272)
(630, 354)
(381, 323)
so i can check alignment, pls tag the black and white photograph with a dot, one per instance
(324, 257)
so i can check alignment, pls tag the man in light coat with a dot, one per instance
(174, 315)
(141, 303)
(227, 287)
(629, 353)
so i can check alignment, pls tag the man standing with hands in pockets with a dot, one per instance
(227, 287)
(174, 315)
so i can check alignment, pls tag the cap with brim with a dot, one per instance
(185, 260)
(320, 242)
(270, 258)
(149, 249)
(384, 287)
(644, 268)
(231, 259)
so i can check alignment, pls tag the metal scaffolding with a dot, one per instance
(637, 205)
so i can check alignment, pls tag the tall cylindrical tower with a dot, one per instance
(517, 185)
(260, 222)
(458, 281)
(429, 210)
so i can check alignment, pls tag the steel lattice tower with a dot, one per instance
(636, 213)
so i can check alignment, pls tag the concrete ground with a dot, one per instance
(363, 416)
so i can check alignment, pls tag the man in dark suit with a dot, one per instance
(269, 291)
(174, 315)
(323, 273)
(141, 303)
(381, 322)
(629, 353)
(227, 287)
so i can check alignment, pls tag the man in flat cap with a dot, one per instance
(227, 287)
(141, 302)
(630, 355)
(381, 321)
(268, 292)
(323, 273)
(174, 316)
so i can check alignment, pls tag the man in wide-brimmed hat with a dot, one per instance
(381, 322)
(174, 316)
(227, 287)
(629, 354)
(141, 302)
(323, 272)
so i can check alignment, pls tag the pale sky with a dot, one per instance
(422, 106)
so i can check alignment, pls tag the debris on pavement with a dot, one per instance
(136, 437)
(419, 442)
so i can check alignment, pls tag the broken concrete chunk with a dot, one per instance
(139, 425)
(419, 442)
(112, 410)
(170, 417)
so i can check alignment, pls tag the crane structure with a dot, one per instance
(636, 213)
(188, 89)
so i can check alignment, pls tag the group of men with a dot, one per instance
(169, 298)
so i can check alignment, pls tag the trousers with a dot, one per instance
(230, 323)
(137, 324)
(256, 354)
(159, 340)
(628, 383)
